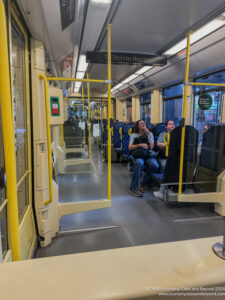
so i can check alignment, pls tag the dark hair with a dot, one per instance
(168, 122)
(135, 129)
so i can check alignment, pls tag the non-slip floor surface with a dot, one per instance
(130, 221)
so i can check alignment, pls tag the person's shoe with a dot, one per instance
(158, 194)
(141, 188)
(135, 193)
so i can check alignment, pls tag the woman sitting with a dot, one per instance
(141, 141)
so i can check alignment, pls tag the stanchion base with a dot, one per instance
(218, 250)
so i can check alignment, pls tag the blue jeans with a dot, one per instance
(162, 162)
(152, 167)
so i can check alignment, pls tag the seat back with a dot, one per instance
(159, 128)
(171, 173)
(212, 157)
(150, 126)
(73, 134)
(127, 131)
(117, 130)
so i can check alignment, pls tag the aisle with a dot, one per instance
(130, 221)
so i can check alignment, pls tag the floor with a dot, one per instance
(130, 221)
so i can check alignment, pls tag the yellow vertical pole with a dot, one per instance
(184, 113)
(83, 116)
(89, 124)
(9, 139)
(109, 108)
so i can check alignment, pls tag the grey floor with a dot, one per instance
(130, 221)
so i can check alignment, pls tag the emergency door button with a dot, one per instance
(55, 111)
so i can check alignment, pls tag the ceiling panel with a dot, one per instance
(61, 40)
(147, 26)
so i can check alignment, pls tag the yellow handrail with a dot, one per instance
(207, 84)
(8, 139)
(121, 133)
(167, 142)
(47, 110)
(184, 113)
(109, 109)
(76, 79)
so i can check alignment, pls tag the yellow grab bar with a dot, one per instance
(167, 142)
(130, 131)
(8, 139)
(47, 110)
(121, 134)
(76, 79)
(184, 113)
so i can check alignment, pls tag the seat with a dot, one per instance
(157, 129)
(73, 134)
(171, 172)
(126, 132)
(117, 133)
(212, 158)
(150, 126)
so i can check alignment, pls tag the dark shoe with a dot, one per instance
(141, 188)
(135, 193)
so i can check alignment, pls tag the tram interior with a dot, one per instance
(81, 73)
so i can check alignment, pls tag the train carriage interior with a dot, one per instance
(112, 149)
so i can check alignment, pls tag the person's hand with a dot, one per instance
(145, 146)
(147, 131)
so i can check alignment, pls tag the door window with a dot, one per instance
(20, 113)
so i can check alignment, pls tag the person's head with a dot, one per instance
(139, 126)
(170, 126)
(206, 127)
(127, 122)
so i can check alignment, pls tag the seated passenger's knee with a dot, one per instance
(139, 162)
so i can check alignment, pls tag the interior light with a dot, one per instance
(197, 35)
(82, 64)
(177, 48)
(102, 2)
(80, 75)
(77, 86)
(206, 29)
(117, 86)
(128, 79)
(143, 70)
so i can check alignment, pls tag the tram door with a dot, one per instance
(20, 97)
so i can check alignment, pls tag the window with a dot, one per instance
(145, 107)
(172, 103)
(212, 114)
(129, 108)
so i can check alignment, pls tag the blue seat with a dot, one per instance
(117, 141)
(150, 126)
(126, 131)
(159, 128)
